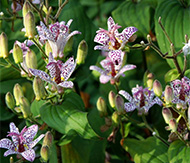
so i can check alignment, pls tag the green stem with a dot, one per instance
(60, 9)
(22, 68)
(181, 138)
(133, 120)
(13, 66)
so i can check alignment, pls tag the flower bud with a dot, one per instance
(11, 160)
(29, 23)
(188, 114)
(111, 98)
(82, 52)
(119, 103)
(149, 39)
(17, 92)
(48, 139)
(17, 54)
(101, 106)
(168, 94)
(39, 89)
(115, 118)
(47, 48)
(148, 79)
(167, 114)
(31, 59)
(3, 45)
(10, 101)
(25, 107)
(26, 8)
(157, 88)
(44, 152)
(173, 125)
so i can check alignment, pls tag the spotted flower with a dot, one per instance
(25, 48)
(22, 142)
(111, 39)
(186, 48)
(57, 35)
(142, 100)
(112, 67)
(59, 72)
(181, 90)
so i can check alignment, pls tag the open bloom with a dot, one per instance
(111, 39)
(57, 36)
(22, 142)
(181, 90)
(142, 100)
(112, 67)
(59, 72)
(186, 48)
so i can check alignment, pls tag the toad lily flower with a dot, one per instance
(57, 36)
(22, 143)
(112, 67)
(186, 48)
(112, 39)
(142, 100)
(181, 90)
(59, 72)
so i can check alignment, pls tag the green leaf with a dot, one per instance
(35, 107)
(175, 19)
(178, 152)
(171, 75)
(134, 14)
(5, 113)
(66, 117)
(148, 150)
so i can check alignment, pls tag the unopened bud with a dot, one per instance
(82, 52)
(173, 125)
(26, 8)
(119, 103)
(167, 114)
(17, 54)
(31, 59)
(47, 48)
(188, 114)
(4, 45)
(48, 139)
(39, 89)
(157, 88)
(18, 93)
(25, 107)
(44, 152)
(11, 160)
(148, 79)
(111, 98)
(149, 39)
(115, 118)
(101, 106)
(10, 101)
(142, 43)
(168, 94)
(29, 23)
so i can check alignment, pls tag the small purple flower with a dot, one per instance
(112, 67)
(57, 36)
(59, 72)
(25, 48)
(22, 143)
(181, 90)
(142, 100)
(111, 39)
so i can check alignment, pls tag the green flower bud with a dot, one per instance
(115, 118)
(48, 139)
(101, 106)
(17, 54)
(4, 46)
(25, 107)
(149, 39)
(167, 114)
(10, 101)
(157, 88)
(39, 89)
(168, 95)
(119, 103)
(82, 52)
(31, 59)
(44, 152)
(47, 48)
(29, 23)
(148, 79)
(11, 160)
(17, 92)
(173, 125)
(26, 8)
(111, 98)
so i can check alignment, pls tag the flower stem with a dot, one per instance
(60, 9)
(13, 66)
(22, 68)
